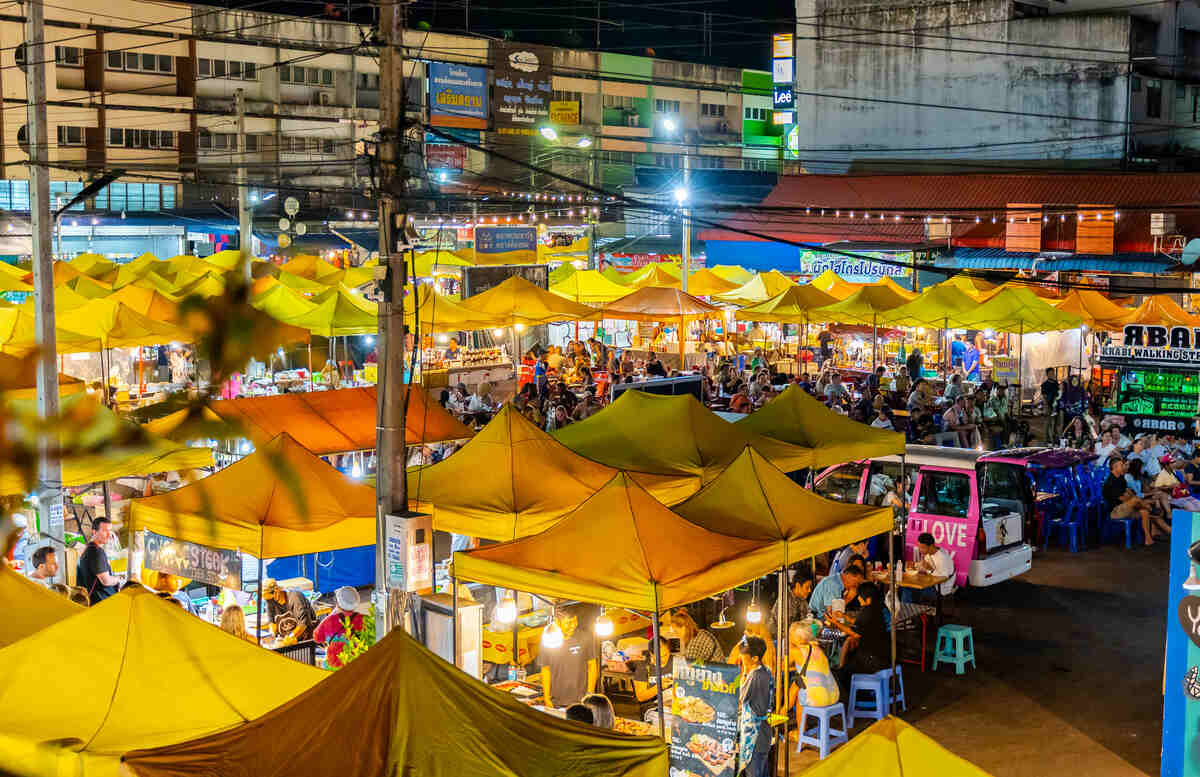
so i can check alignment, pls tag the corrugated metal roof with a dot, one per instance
(999, 259)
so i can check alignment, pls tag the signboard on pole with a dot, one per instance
(1181, 689)
(704, 735)
(445, 156)
(522, 87)
(1004, 369)
(458, 95)
(214, 566)
(506, 245)
(564, 112)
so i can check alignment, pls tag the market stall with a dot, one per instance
(864, 307)
(656, 305)
(408, 712)
(662, 275)
(155, 676)
(1156, 387)
(762, 287)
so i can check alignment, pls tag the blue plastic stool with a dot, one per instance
(1133, 528)
(955, 645)
(823, 736)
(867, 708)
(893, 696)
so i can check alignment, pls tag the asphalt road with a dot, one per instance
(1070, 670)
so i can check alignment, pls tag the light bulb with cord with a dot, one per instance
(506, 610)
(552, 635)
(753, 613)
(604, 625)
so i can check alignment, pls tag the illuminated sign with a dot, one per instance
(785, 98)
(782, 117)
(782, 45)
(782, 71)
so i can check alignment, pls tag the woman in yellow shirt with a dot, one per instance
(814, 684)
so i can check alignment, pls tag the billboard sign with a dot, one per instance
(458, 95)
(522, 87)
(564, 111)
(506, 245)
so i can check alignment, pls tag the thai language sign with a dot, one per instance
(856, 270)
(522, 91)
(506, 245)
(458, 95)
(704, 736)
(187, 559)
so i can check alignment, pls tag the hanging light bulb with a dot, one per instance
(356, 470)
(552, 636)
(506, 611)
(604, 626)
(753, 613)
(497, 332)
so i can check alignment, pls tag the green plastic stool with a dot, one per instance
(955, 645)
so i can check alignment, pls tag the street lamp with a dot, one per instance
(669, 125)
(583, 142)
(681, 195)
(548, 133)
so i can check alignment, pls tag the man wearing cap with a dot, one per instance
(339, 626)
(290, 609)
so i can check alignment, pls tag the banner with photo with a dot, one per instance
(559, 243)
(704, 734)
(522, 87)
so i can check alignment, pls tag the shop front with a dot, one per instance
(1156, 387)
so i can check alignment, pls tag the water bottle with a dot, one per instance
(512, 673)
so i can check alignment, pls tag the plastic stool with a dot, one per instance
(823, 736)
(893, 696)
(955, 645)
(867, 708)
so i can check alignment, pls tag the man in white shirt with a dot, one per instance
(1105, 446)
(937, 562)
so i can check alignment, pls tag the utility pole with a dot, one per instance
(245, 223)
(687, 226)
(592, 217)
(49, 466)
(391, 482)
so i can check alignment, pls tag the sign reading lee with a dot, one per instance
(704, 735)
(522, 88)
(186, 559)
(457, 95)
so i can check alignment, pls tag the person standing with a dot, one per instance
(1050, 391)
(339, 626)
(970, 363)
(957, 349)
(93, 573)
(290, 610)
(755, 702)
(916, 364)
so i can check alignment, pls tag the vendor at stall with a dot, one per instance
(645, 672)
(290, 615)
(339, 626)
(569, 672)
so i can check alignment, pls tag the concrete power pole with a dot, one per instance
(245, 222)
(391, 483)
(40, 221)
(687, 227)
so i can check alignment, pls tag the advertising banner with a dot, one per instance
(1004, 369)
(630, 262)
(522, 91)
(559, 242)
(855, 270)
(445, 156)
(186, 559)
(564, 112)
(704, 735)
(477, 280)
(506, 245)
(1181, 689)
(458, 95)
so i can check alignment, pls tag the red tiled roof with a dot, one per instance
(917, 195)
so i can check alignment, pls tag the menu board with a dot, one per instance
(214, 566)
(704, 736)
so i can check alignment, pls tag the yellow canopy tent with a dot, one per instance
(228, 259)
(888, 283)
(733, 273)
(299, 283)
(357, 276)
(1016, 309)
(533, 480)
(94, 266)
(797, 418)
(65, 298)
(656, 303)
(975, 287)
(934, 307)
(624, 548)
(98, 445)
(278, 300)
(209, 284)
(312, 267)
(615, 275)
(280, 500)
(407, 712)
(832, 284)
(8, 270)
(13, 283)
(29, 607)
(428, 263)
(893, 748)
(63, 272)
(18, 379)
(758, 289)
(865, 307)
(323, 422)
(338, 311)
(589, 286)
(1096, 310)
(439, 313)
(1161, 310)
(89, 287)
(154, 305)
(674, 436)
(706, 283)
(18, 330)
(116, 325)
(562, 272)
(753, 499)
(791, 306)
(155, 676)
(151, 281)
(657, 275)
(517, 301)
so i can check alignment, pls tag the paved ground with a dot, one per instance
(1070, 670)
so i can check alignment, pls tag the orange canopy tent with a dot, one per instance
(656, 275)
(1096, 310)
(667, 305)
(18, 378)
(1161, 310)
(324, 422)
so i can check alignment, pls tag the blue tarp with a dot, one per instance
(330, 570)
(753, 255)
(999, 259)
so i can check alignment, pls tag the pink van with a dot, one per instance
(974, 504)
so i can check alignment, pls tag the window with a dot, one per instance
(712, 109)
(250, 71)
(218, 68)
(204, 67)
(666, 160)
(136, 62)
(758, 114)
(666, 106)
(1180, 91)
(116, 136)
(1153, 98)
(68, 56)
(326, 78)
(285, 73)
(760, 165)
(252, 142)
(1004, 484)
(205, 141)
(314, 75)
(115, 61)
(220, 142)
(885, 477)
(1137, 84)
(842, 485)
(368, 81)
(564, 96)
(618, 101)
(327, 147)
(944, 493)
(149, 63)
(314, 145)
(235, 69)
(166, 64)
(70, 136)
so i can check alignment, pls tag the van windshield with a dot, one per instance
(842, 484)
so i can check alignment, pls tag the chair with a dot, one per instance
(1132, 526)
(893, 687)
(955, 645)
(823, 736)
(875, 707)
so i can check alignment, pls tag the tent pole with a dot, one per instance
(259, 608)
(310, 375)
(784, 651)
(892, 593)
(107, 500)
(1020, 353)
(516, 652)
(657, 653)
(454, 620)
(874, 340)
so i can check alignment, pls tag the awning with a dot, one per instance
(999, 259)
